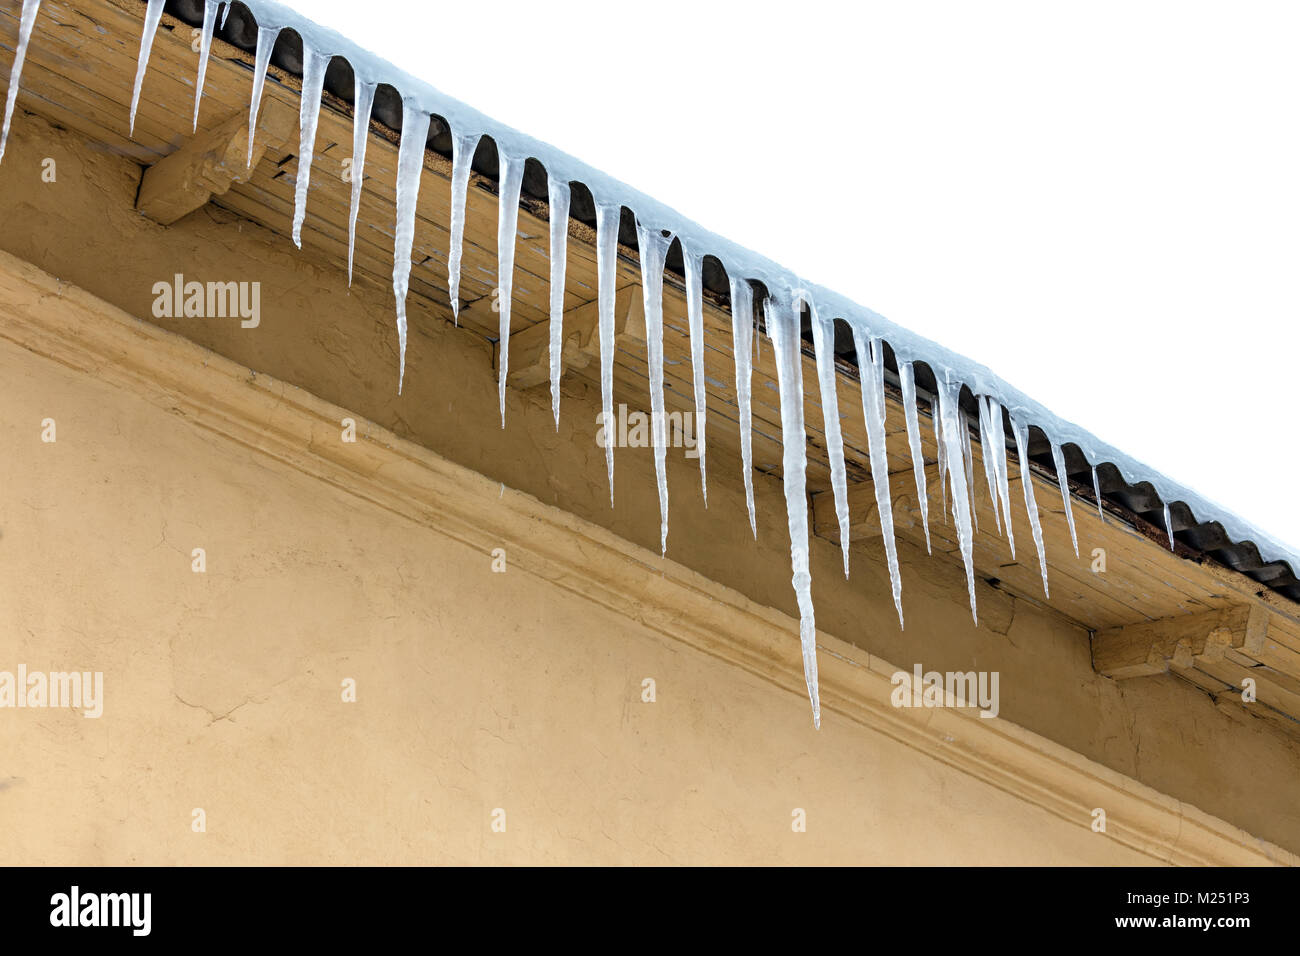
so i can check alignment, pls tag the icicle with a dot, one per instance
(783, 327)
(558, 195)
(608, 216)
(998, 437)
(205, 50)
(955, 445)
(823, 329)
(225, 13)
(907, 379)
(653, 246)
(410, 164)
(1169, 527)
(871, 373)
(363, 99)
(262, 59)
(969, 460)
(1096, 490)
(462, 161)
(313, 84)
(1021, 433)
(152, 14)
(695, 320)
(936, 418)
(1058, 460)
(511, 178)
(986, 457)
(742, 330)
(16, 71)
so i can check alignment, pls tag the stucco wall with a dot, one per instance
(231, 677)
(475, 690)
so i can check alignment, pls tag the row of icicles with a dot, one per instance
(782, 320)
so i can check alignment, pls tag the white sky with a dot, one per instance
(1100, 201)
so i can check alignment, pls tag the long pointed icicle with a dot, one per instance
(1096, 490)
(462, 161)
(313, 84)
(694, 263)
(152, 14)
(410, 164)
(363, 99)
(1021, 433)
(998, 438)
(742, 330)
(1169, 526)
(30, 7)
(225, 14)
(1058, 460)
(969, 461)
(871, 372)
(783, 328)
(205, 50)
(261, 60)
(936, 418)
(607, 220)
(653, 247)
(986, 458)
(558, 195)
(823, 329)
(511, 178)
(907, 381)
(954, 424)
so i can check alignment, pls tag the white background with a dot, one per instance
(1100, 201)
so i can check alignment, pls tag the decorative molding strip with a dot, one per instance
(68, 325)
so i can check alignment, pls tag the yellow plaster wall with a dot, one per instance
(476, 690)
